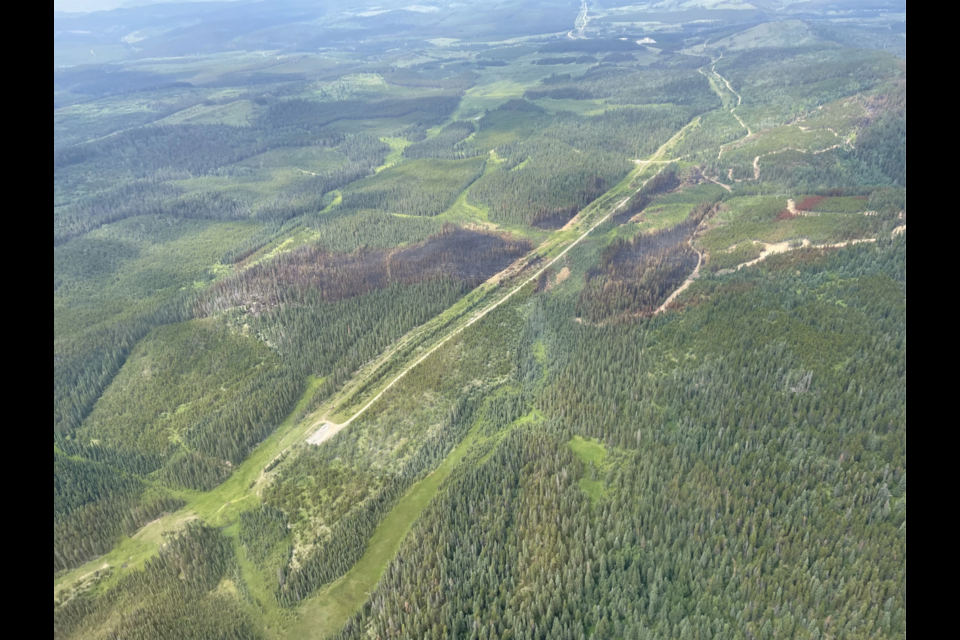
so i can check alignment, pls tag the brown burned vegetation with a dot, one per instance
(811, 203)
(664, 182)
(636, 276)
(470, 257)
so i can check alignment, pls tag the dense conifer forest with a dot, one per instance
(505, 322)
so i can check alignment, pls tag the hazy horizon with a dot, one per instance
(88, 6)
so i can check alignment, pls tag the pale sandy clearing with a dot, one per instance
(322, 434)
(718, 183)
(772, 250)
(786, 247)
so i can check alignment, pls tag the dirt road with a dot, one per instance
(686, 285)
(769, 250)
(739, 100)
(328, 429)
(786, 247)
(717, 182)
(583, 19)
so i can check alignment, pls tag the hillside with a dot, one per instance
(437, 323)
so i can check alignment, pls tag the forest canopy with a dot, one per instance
(538, 321)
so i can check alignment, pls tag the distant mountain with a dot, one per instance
(66, 7)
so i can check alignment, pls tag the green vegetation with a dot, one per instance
(416, 188)
(651, 538)
(738, 255)
(824, 229)
(588, 451)
(430, 333)
(171, 382)
(192, 589)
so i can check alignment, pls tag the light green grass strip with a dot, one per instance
(325, 615)
(588, 450)
(218, 508)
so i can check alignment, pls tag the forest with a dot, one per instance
(403, 323)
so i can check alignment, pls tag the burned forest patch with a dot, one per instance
(467, 256)
(634, 277)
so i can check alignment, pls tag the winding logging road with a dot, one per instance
(686, 285)
(583, 19)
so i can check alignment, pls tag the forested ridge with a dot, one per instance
(812, 546)
(558, 338)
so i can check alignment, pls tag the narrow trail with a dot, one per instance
(686, 285)
(720, 93)
(642, 164)
(756, 161)
(739, 99)
(733, 111)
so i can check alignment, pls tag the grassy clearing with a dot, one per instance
(660, 217)
(843, 116)
(593, 488)
(284, 245)
(235, 114)
(501, 128)
(131, 554)
(219, 508)
(262, 185)
(751, 209)
(779, 139)
(309, 159)
(395, 157)
(835, 205)
(579, 107)
(324, 616)
(589, 450)
(594, 455)
(466, 212)
(260, 584)
(489, 96)
(823, 229)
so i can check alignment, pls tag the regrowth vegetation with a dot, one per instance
(613, 324)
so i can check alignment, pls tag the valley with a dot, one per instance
(437, 322)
